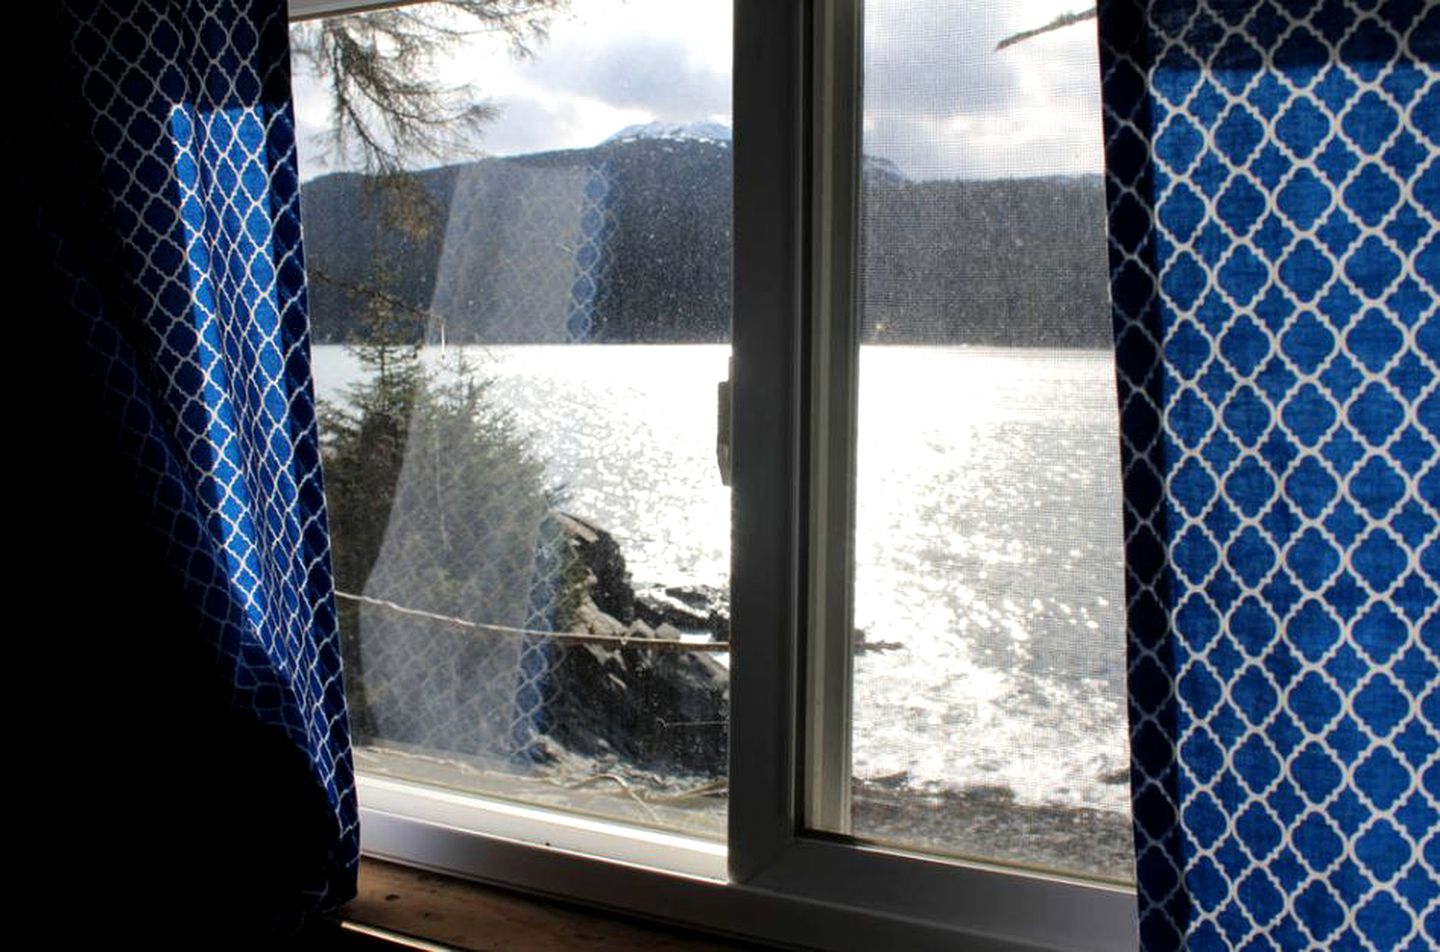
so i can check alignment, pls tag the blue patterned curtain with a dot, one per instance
(167, 212)
(1274, 192)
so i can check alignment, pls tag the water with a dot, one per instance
(989, 545)
(988, 538)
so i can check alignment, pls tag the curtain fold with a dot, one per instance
(164, 182)
(1273, 179)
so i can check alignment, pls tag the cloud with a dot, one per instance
(312, 119)
(539, 123)
(657, 76)
(578, 92)
(920, 66)
(940, 101)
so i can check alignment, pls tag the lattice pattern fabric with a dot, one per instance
(202, 343)
(432, 684)
(527, 253)
(597, 228)
(1274, 190)
(482, 546)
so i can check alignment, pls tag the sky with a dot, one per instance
(940, 101)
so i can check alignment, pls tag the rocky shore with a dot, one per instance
(649, 707)
(985, 822)
(654, 721)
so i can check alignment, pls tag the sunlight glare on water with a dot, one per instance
(983, 538)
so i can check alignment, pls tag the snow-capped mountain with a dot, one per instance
(945, 256)
(703, 130)
(877, 170)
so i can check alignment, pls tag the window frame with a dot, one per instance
(795, 153)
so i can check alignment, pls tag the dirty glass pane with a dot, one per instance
(988, 678)
(520, 319)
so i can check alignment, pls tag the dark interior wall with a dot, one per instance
(152, 811)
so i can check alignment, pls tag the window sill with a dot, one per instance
(816, 898)
(410, 904)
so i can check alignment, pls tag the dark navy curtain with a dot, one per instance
(1274, 193)
(185, 509)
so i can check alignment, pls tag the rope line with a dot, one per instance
(658, 644)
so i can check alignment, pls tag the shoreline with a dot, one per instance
(986, 824)
(978, 824)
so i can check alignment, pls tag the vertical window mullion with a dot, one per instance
(834, 356)
(769, 103)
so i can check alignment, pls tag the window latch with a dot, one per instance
(723, 426)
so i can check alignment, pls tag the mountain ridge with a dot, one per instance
(630, 240)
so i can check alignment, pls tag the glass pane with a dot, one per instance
(521, 315)
(988, 679)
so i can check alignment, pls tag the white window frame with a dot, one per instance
(796, 148)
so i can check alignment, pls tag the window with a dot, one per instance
(519, 357)
(811, 765)
(984, 574)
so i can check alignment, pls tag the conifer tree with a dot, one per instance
(466, 527)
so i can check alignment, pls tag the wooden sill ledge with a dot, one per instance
(457, 914)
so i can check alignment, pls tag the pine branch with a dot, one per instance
(386, 110)
(1063, 20)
